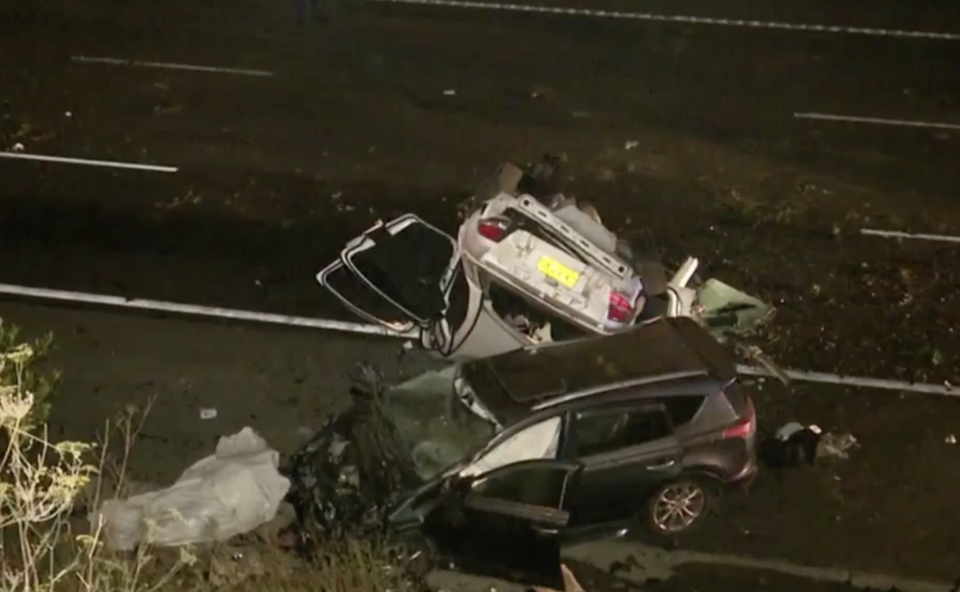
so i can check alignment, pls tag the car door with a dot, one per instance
(398, 274)
(507, 523)
(626, 451)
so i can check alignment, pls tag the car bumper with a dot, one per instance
(741, 481)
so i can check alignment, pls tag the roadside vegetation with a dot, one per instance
(48, 489)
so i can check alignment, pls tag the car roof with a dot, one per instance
(513, 383)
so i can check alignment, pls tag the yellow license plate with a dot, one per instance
(555, 270)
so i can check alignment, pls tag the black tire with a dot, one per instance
(703, 495)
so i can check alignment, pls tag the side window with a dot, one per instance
(538, 441)
(532, 485)
(598, 433)
(682, 409)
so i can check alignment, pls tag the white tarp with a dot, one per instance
(233, 491)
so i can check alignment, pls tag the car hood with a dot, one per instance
(349, 476)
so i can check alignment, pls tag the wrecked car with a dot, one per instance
(528, 266)
(499, 462)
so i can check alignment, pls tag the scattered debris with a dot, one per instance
(835, 445)
(232, 492)
(795, 445)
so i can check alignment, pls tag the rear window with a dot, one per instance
(682, 409)
(736, 395)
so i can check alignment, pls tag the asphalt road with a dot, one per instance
(355, 122)
(275, 171)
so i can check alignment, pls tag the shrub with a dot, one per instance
(39, 480)
(40, 485)
(19, 370)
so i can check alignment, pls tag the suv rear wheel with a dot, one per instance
(678, 506)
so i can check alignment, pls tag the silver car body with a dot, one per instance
(560, 262)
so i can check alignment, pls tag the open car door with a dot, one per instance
(397, 273)
(508, 523)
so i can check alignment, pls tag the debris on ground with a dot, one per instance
(795, 445)
(835, 445)
(231, 492)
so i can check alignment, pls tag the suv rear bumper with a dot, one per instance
(742, 480)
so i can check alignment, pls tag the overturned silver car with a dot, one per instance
(528, 266)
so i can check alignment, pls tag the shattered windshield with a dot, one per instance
(435, 426)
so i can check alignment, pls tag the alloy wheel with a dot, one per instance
(678, 507)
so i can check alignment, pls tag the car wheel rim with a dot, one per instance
(678, 507)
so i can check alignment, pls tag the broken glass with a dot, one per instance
(438, 429)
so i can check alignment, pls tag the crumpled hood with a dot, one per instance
(348, 476)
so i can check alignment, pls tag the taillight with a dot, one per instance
(493, 228)
(620, 309)
(745, 428)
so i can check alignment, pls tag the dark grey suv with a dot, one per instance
(562, 443)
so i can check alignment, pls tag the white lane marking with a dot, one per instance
(877, 120)
(686, 19)
(945, 238)
(333, 325)
(172, 66)
(197, 310)
(113, 164)
(857, 381)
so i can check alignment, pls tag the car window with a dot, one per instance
(538, 441)
(607, 432)
(531, 485)
(682, 409)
